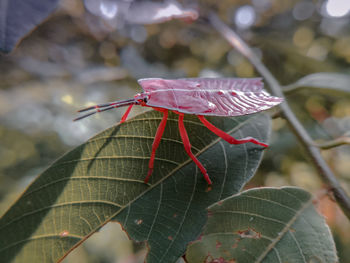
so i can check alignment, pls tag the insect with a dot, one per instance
(198, 96)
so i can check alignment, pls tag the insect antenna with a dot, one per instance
(119, 103)
(104, 107)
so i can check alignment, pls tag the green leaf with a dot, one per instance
(265, 225)
(327, 81)
(102, 180)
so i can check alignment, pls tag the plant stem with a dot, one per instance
(333, 143)
(275, 88)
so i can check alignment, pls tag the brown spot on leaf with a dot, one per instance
(315, 259)
(227, 253)
(138, 222)
(208, 258)
(170, 237)
(218, 244)
(209, 188)
(221, 260)
(64, 233)
(235, 245)
(249, 233)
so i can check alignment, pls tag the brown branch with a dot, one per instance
(333, 143)
(275, 88)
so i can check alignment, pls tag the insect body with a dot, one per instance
(199, 96)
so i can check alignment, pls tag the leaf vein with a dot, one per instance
(284, 230)
(250, 214)
(114, 158)
(270, 201)
(184, 217)
(157, 212)
(298, 246)
(84, 177)
(61, 205)
(40, 237)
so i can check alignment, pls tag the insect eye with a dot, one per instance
(145, 99)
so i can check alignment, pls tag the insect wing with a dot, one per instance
(205, 96)
(229, 84)
(177, 94)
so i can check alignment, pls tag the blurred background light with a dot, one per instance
(337, 8)
(109, 9)
(317, 51)
(138, 33)
(303, 37)
(303, 10)
(245, 17)
(262, 5)
(170, 9)
(333, 26)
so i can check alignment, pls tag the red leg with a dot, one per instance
(125, 116)
(156, 142)
(187, 146)
(228, 137)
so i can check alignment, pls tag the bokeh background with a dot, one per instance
(83, 55)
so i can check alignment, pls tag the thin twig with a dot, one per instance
(291, 88)
(333, 143)
(275, 88)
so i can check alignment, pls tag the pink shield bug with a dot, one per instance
(199, 96)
